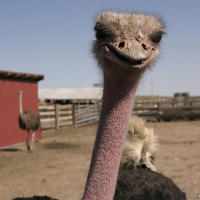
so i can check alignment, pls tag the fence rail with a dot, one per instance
(85, 114)
(57, 116)
(167, 107)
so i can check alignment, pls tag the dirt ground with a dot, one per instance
(58, 167)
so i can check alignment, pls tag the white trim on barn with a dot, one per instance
(70, 93)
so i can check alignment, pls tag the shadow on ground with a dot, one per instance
(35, 198)
(60, 145)
(10, 150)
(190, 142)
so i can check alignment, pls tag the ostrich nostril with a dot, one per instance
(121, 45)
(144, 46)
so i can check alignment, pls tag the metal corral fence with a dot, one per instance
(56, 116)
(165, 106)
(85, 114)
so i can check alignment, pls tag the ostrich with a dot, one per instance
(126, 46)
(138, 178)
(28, 120)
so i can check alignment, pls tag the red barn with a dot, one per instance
(10, 83)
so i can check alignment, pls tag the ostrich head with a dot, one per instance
(130, 41)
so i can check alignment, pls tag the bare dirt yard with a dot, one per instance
(58, 167)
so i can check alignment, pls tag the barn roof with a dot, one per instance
(20, 76)
(70, 93)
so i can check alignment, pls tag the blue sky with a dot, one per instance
(54, 38)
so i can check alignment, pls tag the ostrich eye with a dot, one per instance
(103, 32)
(156, 37)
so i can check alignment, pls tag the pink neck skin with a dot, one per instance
(118, 95)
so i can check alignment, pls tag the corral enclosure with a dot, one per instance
(58, 167)
(77, 113)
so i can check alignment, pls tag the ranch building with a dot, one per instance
(10, 85)
(71, 95)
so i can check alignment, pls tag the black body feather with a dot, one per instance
(29, 120)
(144, 184)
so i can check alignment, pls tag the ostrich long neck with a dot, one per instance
(20, 104)
(116, 110)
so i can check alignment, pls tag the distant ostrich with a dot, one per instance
(126, 46)
(137, 178)
(29, 121)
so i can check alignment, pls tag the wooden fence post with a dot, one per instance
(99, 108)
(158, 106)
(56, 116)
(74, 114)
(135, 107)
